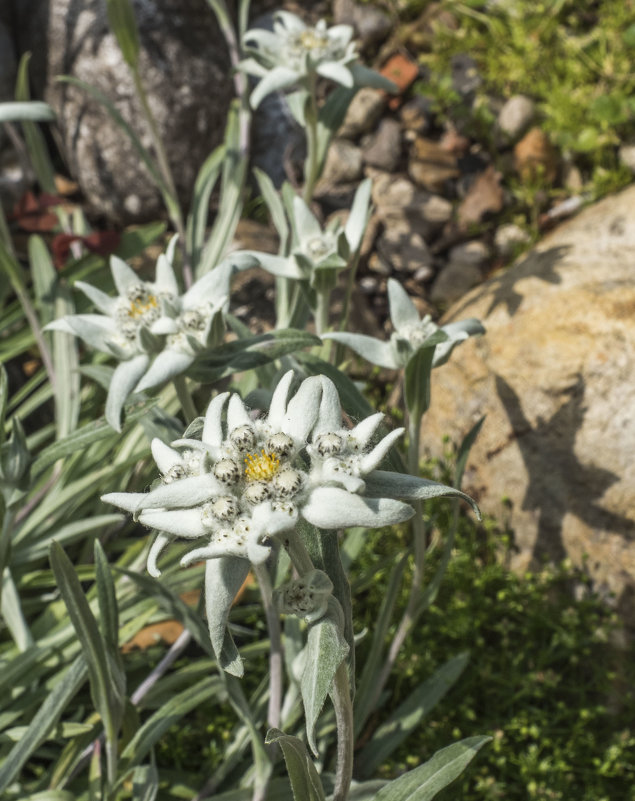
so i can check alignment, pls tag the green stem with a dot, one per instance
(111, 759)
(275, 646)
(312, 166)
(322, 312)
(185, 399)
(300, 557)
(341, 697)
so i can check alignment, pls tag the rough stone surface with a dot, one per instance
(508, 237)
(402, 248)
(516, 116)
(455, 279)
(474, 252)
(432, 166)
(397, 198)
(343, 164)
(627, 156)
(184, 67)
(363, 113)
(384, 148)
(371, 25)
(555, 377)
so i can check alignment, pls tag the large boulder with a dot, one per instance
(555, 375)
(185, 69)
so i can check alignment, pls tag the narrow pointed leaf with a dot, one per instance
(223, 578)
(423, 783)
(123, 24)
(382, 483)
(326, 650)
(304, 778)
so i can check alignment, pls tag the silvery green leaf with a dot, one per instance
(326, 650)
(382, 483)
(124, 380)
(43, 722)
(161, 540)
(358, 217)
(274, 204)
(180, 522)
(123, 24)
(423, 783)
(337, 72)
(297, 105)
(456, 332)
(145, 782)
(334, 508)
(305, 782)
(366, 77)
(408, 715)
(4, 394)
(332, 262)
(34, 110)
(189, 491)
(166, 365)
(373, 350)
(14, 455)
(275, 81)
(403, 312)
(223, 578)
(147, 341)
(252, 67)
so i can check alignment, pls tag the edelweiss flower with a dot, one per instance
(410, 333)
(315, 249)
(153, 331)
(293, 52)
(248, 480)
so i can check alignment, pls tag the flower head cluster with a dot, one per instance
(293, 51)
(410, 333)
(152, 330)
(248, 480)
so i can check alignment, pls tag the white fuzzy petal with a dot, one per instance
(237, 414)
(371, 460)
(168, 364)
(165, 278)
(128, 501)
(104, 302)
(278, 405)
(330, 414)
(182, 522)
(123, 381)
(213, 428)
(123, 275)
(365, 429)
(403, 312)
(162, 539)
(185, 493)
(333, 508)
(165, 456)
(303, 410)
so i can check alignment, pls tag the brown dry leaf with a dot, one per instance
(535, 157)
(64, 186)
(484, 197)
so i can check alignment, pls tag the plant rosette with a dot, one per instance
(249, 480)
(152, 330)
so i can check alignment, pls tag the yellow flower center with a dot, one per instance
(261, 466)
(140, 307)
(312, 40)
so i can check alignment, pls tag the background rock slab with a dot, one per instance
(555, 375)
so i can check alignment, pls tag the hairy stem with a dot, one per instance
(312, 166)
(275, 646)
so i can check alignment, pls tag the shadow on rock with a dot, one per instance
(558, 483)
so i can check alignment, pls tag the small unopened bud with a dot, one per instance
(306, 597)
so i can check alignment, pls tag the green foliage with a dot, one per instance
(548, 677)
(573, 58)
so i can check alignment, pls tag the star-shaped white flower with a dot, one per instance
(410, 333)
(153, 331)
(293, 53)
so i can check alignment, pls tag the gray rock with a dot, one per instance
(475, 253)
(372, 25)
(555, 378)
(416, 114)
(454, 280)
(516, 116)
(185, 70)
(397, 198)
(627, 156)
(384, 148)
(508, 238)
(342, 166)
(363, 113)
(402, 248)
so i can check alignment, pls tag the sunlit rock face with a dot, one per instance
(185, 69)
(555, 375)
